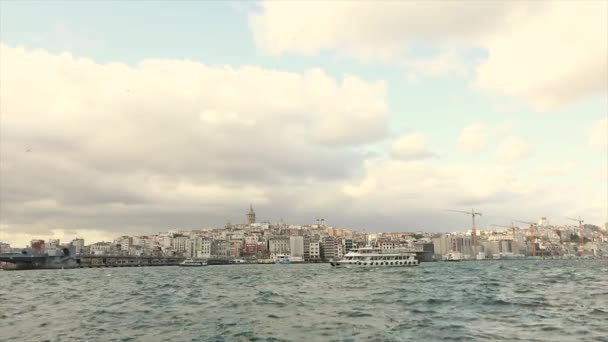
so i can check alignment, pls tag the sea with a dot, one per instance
(507, 300)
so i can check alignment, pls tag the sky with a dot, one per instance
(137, 117)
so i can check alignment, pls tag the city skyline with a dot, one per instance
(380, 126)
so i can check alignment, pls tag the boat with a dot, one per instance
(452, 256)
(281, 259)
(192, 263)
(377, 257)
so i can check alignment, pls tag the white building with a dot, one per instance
(125, 243)
(278, 246)
(198, 247)
(179, 244)
(314, 250)
(78, 245)
(101, 248)
(296, 248)
(5, 247)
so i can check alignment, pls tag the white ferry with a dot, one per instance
(281, 259)
(192, 263)
(452, 256)
(377, 257)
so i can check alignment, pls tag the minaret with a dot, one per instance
(250, 215)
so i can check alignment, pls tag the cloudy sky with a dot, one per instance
(138, 117)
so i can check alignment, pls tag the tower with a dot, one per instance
(250, 215)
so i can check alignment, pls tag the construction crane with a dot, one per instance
(579, 220)
(580, 227)
(473, 213)
(531, 235)
(512, 226)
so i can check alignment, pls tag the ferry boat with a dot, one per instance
(376, 257)
(281, 259)
(192, 263)
(452, 256)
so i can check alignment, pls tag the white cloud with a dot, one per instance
(511, 149)
(472, 138)
(411, 147)
(552, 57)
(370, 29)
(169, 141)
(548, 54)
(116, 149)
(598, 135)
(561, 169)
(401, 185)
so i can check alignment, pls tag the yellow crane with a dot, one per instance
(473, 213)
(532, 234)
(580, 221)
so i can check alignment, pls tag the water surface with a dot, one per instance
(524, 300)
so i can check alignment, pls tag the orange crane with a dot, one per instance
(531, 235)
(473, 213)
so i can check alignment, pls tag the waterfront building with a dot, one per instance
(314, 251)
(101, 248)
(348, 245)
(250, 249)
(492, 248)
(5, 248)
(126, 242)
(53, 244)
(278, 245)
(331, 248)
(221, 248)
(37, 246)
(179, 244)
(452, 243)
(198, 247)
(296, 248)
(235, 249)
(78, 245)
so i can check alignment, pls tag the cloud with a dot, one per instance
(558, 169)
(472, 138)
(550, 58)
(102, 150)
(121, 148)
(511, 149)
(531, 54)
(411, 147)
(405, 187)
(369, 30)
(598, 135)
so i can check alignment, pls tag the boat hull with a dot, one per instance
(199, 265)
(340, 264)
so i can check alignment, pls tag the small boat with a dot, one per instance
(281, 259)
(452, 256)
(192, 263)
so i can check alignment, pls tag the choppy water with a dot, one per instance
(495, 300)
